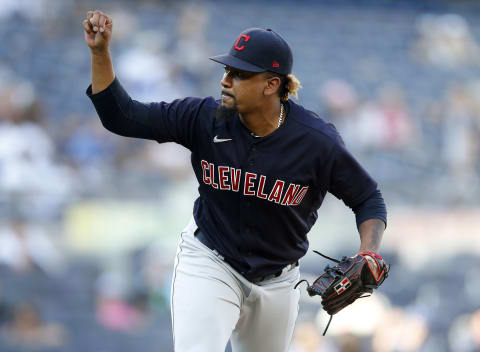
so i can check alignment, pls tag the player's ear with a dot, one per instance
(272, 85)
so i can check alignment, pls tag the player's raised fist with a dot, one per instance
(98, 31)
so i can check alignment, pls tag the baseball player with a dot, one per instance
(264, 165)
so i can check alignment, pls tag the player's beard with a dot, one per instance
(226, 113)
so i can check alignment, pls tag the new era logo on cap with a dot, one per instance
(258, 50)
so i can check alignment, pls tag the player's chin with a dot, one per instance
(225, 113)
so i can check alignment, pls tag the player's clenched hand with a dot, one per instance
(98, 31)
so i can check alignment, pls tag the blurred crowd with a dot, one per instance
(399, 82)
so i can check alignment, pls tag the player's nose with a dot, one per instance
(226, 81)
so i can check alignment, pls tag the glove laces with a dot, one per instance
(329, 270)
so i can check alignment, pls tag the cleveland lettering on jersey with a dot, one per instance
(227, 178)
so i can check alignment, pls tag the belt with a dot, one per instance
(202, 238)
(276, 274)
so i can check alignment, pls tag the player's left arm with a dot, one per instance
(350, 182)
(371, 233)
(371, 218)
(360, 274)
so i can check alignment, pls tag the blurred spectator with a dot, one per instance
(89, 145)
(91, 151)
(348, 342)
(399, 128)
(339, 99)
(156, 276)
(306, 338)
(113, 311)
(27, 330)
(446, 41)
(26, 8)
(458, 130)
(383, 124)
(370, 127)
(25, 248)
(146, 70)
(27, 165)
(192, 48)
(460, 143)
(431, 131)
(127, 24)
(339, 105)
(400, 332)
(169, 159)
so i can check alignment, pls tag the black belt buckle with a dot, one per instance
(276, 274)
(266, 277)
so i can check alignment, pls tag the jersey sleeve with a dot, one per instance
(178, 121)
(372, 208)
(348, 179)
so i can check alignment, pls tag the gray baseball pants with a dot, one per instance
(212, 303)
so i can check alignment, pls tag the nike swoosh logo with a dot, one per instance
(220, 140)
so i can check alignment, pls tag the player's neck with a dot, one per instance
(264, 120)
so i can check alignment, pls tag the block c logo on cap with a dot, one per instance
(246, 38)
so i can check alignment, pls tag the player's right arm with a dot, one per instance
(119, 113)
(98, 32)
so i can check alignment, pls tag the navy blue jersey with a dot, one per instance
(258, 196)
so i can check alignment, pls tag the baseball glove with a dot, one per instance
(352, 278)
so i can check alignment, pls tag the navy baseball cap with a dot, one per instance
(258, 50)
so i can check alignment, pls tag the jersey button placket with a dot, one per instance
(243, 247)
(247, 209)
(251, 160)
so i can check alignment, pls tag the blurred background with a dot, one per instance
(89, 221)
